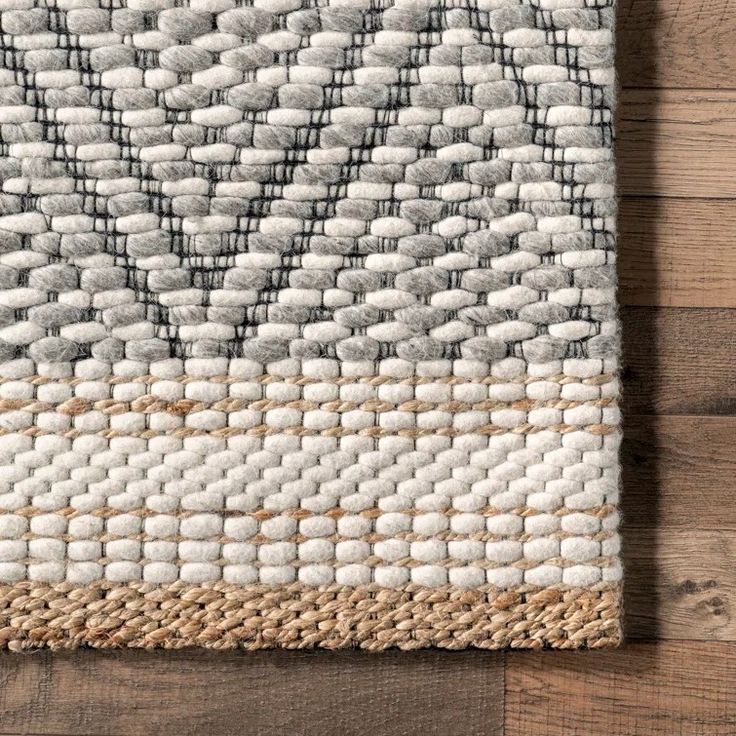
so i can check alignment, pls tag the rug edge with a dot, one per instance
(222, 616)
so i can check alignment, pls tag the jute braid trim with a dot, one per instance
(375, 561)
(264, 430)
(223, 616)
(183, 407)
(336, 512)
(561, 378)
(448, 536)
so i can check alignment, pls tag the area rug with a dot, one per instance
(307, 324)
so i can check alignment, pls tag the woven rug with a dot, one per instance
(307, 324)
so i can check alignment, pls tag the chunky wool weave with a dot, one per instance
(307, 324)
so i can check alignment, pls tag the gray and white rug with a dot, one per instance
(307, 324)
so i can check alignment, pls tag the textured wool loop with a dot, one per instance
(308, 331)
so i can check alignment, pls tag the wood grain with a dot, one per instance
(194, 692)
(647, 689)
(679, 471)
(679, 361)
(680, 584)
(677, 143)
(677, 253)
(679, 529)
(676, 43)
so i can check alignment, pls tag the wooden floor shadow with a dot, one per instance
(640, 570)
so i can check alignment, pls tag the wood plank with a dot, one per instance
(677, 253)
(679, 529)
(679, 472)
(676, 43)
(677, 143)
(204, 692)
(679, 583)
(646, 689)
(679, 361)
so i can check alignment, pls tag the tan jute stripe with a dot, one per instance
(525, 378)
(224, 616)
(265, 430)
(184, 407)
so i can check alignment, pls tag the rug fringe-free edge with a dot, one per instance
(222, 616)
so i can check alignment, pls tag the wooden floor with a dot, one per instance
(676, 675)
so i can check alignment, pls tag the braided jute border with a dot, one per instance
(224, 616)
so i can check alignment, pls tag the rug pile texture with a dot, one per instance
(307, 324)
